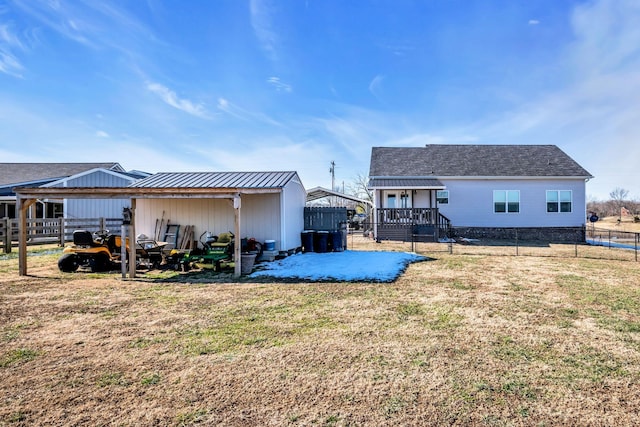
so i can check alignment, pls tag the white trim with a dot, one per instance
(88, 172)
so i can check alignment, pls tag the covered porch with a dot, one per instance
(407, 209)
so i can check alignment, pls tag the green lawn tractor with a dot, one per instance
(216, 252)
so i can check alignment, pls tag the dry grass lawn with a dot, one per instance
(459, 340)
(611, 223)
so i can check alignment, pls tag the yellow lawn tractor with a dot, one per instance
(101, 252)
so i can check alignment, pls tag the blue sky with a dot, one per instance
(225, 85)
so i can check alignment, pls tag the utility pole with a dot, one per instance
(332, 170)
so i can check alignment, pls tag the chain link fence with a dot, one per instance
(594, 244)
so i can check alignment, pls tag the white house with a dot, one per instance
(478, 191)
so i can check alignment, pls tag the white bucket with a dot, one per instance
(269, 245)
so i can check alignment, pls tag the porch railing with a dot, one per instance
(403, 223)
(417, 216)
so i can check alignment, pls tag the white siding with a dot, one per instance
(260, 217)
(471, 203)
(294, 198)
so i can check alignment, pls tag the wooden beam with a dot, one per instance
(132, 241)
(237, 204)
(139, 193)
(22, 205)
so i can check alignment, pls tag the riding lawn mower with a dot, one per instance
(101, 251)
(216, 253)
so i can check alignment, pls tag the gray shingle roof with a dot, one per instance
(474, 161)
(238, 180)
(18, 173)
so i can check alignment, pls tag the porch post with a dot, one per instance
(237, 204)
(376, 203)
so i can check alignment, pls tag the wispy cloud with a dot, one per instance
(262, 22)
(170, 97)
(279, 85)
(533, 22)
(594, 116)
(96, 25)
(9, 41)
(242, 114)
(102, 134)
(375, 86)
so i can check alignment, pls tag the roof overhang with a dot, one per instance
(137, 193)
(320, 192)
(407, 183)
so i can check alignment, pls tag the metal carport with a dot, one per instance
(26, 196)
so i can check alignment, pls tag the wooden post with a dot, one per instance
(237, 204)
(61, 231)
(22, 205)
(132, 241)
(123, 251)
(9, 236)
(3, 226)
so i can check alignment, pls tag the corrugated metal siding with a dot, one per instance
(99, 179)
(405, 183)
(216, 180)
(96, 208)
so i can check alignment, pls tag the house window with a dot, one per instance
(506, 201)
(559, 200)
(442, 197)
(391, 201)
(404, 200)
(399, 199)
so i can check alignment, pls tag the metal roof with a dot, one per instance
(320, 192)
(456, 160)
(225, 180)
(423, 183)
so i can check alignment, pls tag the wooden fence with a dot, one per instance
(51, 230)
(325, 218)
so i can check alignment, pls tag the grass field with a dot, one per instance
(611, 223)
(458, 340)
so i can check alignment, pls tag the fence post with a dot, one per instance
(517, 252)
(637, 239)
(9, 236)
(61, 231)
(3, 226)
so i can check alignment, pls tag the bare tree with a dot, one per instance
(618, 197)
(360, 187)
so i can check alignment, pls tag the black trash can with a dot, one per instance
(321, 242)
(335, 241)
(307, 238)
